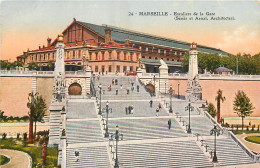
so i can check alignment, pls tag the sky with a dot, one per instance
(28, 24)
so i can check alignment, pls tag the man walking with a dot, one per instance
(151, 103)
(157, 111)
(169, 123)
(137, 88)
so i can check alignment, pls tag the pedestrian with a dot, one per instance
(127, 91)
(160, 106)
(98, 77)
(121, 86)
(249, 123)
(157, 111)
(169, 123)
(116, 81)
(137, 88)
(132, 88)
(112, 81)
(151, 103)
(116, 92)
(77, 155)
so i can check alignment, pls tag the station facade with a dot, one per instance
(111, 49)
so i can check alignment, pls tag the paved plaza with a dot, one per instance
(147, 139)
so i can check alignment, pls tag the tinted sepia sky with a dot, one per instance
(27, 24)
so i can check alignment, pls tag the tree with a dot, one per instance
(218, 98)
(50, 66)
(212, 110)
(32, 66)
(40, 109)
(242, 106)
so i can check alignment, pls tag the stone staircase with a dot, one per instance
(55, 127)
(91, 157)
(152, 128)
(83, 131)
(229, 153)
(162, 154)
(147, 140)
(126, 83)
(141, 108)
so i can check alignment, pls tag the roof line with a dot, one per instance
(153, 36)
(90, 29)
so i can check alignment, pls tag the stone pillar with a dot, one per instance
(58, 94)
(194, 91)
(164, 80)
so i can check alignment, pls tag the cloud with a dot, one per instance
(241, 39)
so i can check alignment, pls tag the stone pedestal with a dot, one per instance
(164, 80)
(139, 72)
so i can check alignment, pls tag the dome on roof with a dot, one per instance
(222, 69)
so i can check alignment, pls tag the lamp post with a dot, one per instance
(216, 133)
(154, 83)
(116, 136)
(100, 90)
(170, 91)
(190, 108)
(178, 90)
(139, 61)
(107, 111)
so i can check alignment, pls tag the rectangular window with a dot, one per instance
(96, 68)
(131, 57)
(79, 54)
(103, 56)
(68, 55)
(73, 55)
(131, 68)
(118, 68)
(109, 68)
(103, 68)
(124, 56)
(118, 55)
(124, 68)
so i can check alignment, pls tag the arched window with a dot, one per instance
(75, 89)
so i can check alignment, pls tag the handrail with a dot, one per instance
(255, 157)
(208, 149)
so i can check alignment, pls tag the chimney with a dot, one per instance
(127, 42)
(48, 42)
(107, 36)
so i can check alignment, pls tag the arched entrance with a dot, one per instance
(150, 87)
(75, 89)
